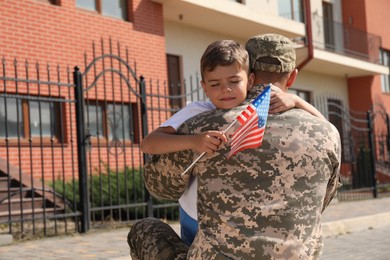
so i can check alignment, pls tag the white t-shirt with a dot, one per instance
(188, 200)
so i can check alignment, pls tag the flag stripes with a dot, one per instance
(253, 120)
(243, 117)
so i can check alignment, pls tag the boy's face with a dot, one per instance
(226, 86)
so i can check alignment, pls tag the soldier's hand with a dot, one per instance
(209, 141)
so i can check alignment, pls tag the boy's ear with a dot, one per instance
(204, 87)
(291, 79)
(251, 81)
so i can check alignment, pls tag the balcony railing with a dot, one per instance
(335, 37)
(295, 16)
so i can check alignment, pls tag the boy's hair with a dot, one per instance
(224, 53)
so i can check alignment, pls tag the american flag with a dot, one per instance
(253, 119)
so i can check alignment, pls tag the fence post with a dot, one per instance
(144, 120)
(371, 142)
(81, 151)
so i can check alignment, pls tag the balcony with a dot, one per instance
(342, 51)
(229, 17)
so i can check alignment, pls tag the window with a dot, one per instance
(112, 8)
(27, 117)
(53, 2)
(385, 82)
(11, 118)
(291, 9)
(112, 121)
(305, 95)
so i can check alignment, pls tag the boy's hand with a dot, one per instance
(208, 141)
(280, 101)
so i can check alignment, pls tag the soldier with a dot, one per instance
(226, 79)
(262, 203)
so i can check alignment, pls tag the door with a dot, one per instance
(175, 86)
(328, 25)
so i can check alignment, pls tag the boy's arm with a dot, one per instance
(282, 101)
(164, 140)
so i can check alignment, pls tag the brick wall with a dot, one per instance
(368, 16)
(39, 32)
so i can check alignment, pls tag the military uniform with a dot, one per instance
(262, 203)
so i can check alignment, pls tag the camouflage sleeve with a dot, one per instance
(162, 174)
(335, 156)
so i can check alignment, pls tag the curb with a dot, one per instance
(5, 240)
(345, 226)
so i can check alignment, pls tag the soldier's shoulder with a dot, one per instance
(300, 116)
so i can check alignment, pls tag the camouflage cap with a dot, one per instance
(271, 53)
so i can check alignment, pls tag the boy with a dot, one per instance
(226, 79)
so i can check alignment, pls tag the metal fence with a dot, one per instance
(69, 144)
(365, 137)
(37, 150)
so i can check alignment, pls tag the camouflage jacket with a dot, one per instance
(262, 203)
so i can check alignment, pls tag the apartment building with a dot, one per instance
(342, 51)
(339, 35)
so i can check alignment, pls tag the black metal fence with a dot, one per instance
(37, 150)
(69, 144)
(69, 149)
(365, 136)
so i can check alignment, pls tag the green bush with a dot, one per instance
(112, 196)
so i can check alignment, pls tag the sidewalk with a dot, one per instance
(339, 218)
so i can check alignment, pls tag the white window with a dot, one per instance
(291, 9)
(385, 82)
(304, 94)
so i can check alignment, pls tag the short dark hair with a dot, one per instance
(224, 53)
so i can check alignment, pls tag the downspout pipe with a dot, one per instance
(309, 35)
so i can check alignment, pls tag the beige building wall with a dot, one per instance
(321, 85)
(190, 43)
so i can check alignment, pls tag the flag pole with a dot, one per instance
(202, 154)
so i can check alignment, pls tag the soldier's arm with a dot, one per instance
(334, 181)
(162, 173)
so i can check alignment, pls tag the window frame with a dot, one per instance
(58, 138)
(299, 93)
(296, 15)
(99, 10)
(52, 2)
(385, 79)
(103, 139)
